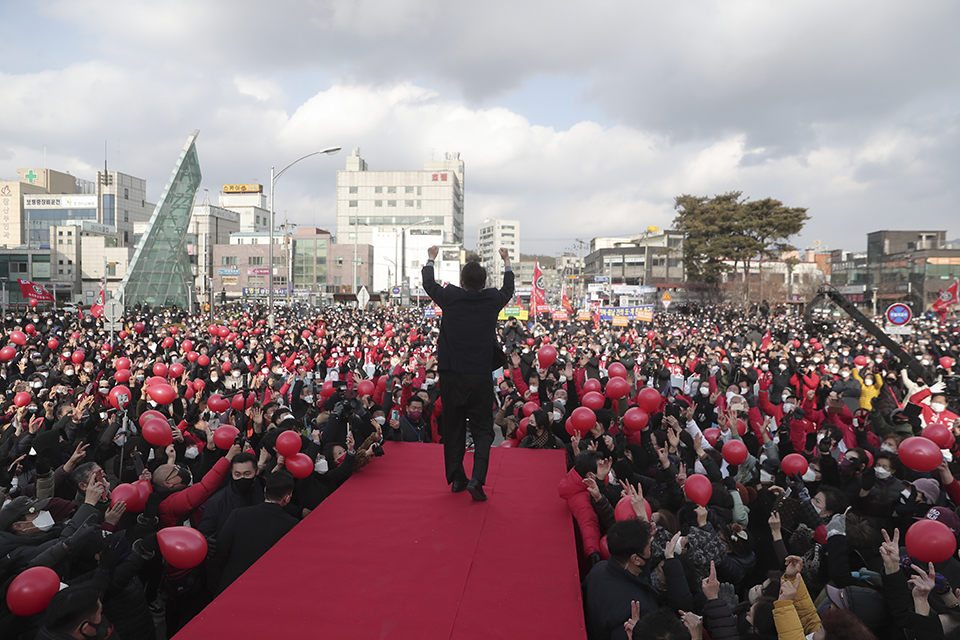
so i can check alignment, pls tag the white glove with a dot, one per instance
(938, 387)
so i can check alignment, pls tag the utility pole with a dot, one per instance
(581, 295)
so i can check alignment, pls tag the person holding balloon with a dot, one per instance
(179, 497)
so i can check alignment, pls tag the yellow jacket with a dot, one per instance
(796, 618)
(868, 392)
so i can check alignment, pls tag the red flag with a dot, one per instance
(537, 296)
(765, 342)
(33, 290)
(947, 298)
(565, 303)
(97, 309)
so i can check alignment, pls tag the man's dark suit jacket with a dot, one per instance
(247, 534)
(468, 328)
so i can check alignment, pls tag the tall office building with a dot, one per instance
(250, 202)
(495, 235)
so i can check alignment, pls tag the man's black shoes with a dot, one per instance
(476, 491)
(458, 486)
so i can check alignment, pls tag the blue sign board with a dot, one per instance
(263, 291)
(228, 272)
(899, 314)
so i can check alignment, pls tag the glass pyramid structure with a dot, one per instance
(160, 274)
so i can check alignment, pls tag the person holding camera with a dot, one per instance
(467, 353)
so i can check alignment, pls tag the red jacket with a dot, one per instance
(580, 504)
(181, 503)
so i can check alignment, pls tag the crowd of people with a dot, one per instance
(770, 554)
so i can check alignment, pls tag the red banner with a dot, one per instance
(35, 291)
(538, 298)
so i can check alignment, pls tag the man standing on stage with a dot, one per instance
(467, 353)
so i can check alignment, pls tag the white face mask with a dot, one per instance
(44, 521)
(557, 416)
(381, 420)
(809, 476)
(787, 408)
(765, 478)
(937, 407)
(214, 378)
(235, 374)
(705, 391)
(533, 389)
(882, 474)
(764, 367)
(320, 466)
(730, 395)
(783, 367)
(562, 401)
(191, 453)
(428, 383)
(308, 399)
(888, 448)
(844, 374)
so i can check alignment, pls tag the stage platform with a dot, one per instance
(394, 554)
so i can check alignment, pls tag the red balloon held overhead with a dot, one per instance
(649, 399)
(231, 336)
(119, 397)
(122, 376)
(546, 356)
(734, 452)
(175, 370)
(225, 366)
(154, 380)
(182, 547)
(123, 335)
(188, 394)
(940, 434)
(213, 330)
(366, 388)
(592, 385)
(167, 342)
(122, 363)
(635, 419)
(288, 444)
(30, 329)
(22, 399)
(930, 541)
(530, 407)
(199, 385)
(53, 344)
(174, 330)
(794, 463)
(327, 390)
(75, 335)
(624, 509)
(521, 431)
(947, 362)
(157, 432)
(144, 488)
(698, 489)
(160, 370)
(8, 353)
(617, 388)
(18, 337)
(651, 335)
(187, 345)
(583, 419)
(129, 494)
(382, 383)
(238, 344)
(236, 403)
(225, 436)
(223, 331)
(139, 327)
(78, 357)
(33, 302)
(616, 370)
(920, 454)
(711, 434)
(305, 334)
(203, 360)
(860, 361)
(300, 465)
(150, 414)
(32, 590)
(106, 348)
(218, 403)
(162, 393)
(593, 400)
(192, 356)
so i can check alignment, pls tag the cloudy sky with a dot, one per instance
(579, 119)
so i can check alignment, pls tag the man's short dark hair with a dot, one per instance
(587, 461)
(662, 624)
(473, 276)
(70, 607)
(243, 457)
(82, 472)
(833, 499)
(627, 538)
(279, 485)
(416, 398)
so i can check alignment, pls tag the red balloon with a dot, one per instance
(22, 399)
(592, 385)
(930, 541)
(150, 414)
(649, 399)
(8, 353)
(224, 332)
(123, 335)
(192, 356)
(288, 444)
(199, 385)
(225, 367)
(30, 329)
(129, 494)
(624, 509)
(33, 302)
(120, 397)
(162, 393)
(920, 454)
(711, 435)
(510, 444)
(593, 400)
(741, 428)
(530, 342)
(583, 419)
(236, 403)
(300, 465)
(238, 344)
(18, 337)
(122, 376)
(160, 370)
(173, 331)
(860, 361)
(382, 382)
(75, 335)
(188, 394)
(203, 360)
(187, 345)
(651, 335)
(167, 342)
(604, 549)
(158, 433)
(698, 488)
(53, 344)
(218, 403)
(530, 407)
(175, 370)
(155, 380)
(144, 488)
(77, 357)
(366, 388)
(794, 463)
(139, 327)
(305, 334)
(547, 355)
(106, 347)
(940, 434)
(182, 547)
(327, 389)
(31, 591)
(616, 370)
(734, 452)
(635, 419)
(617, 388)
(225, 436)
(521, 431)
(122, 363)
(947, 362)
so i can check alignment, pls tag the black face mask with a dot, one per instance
(243, 486)
(102, 631)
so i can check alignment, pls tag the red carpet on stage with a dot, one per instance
(394, 554)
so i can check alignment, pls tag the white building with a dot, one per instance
(493, 235)
(250, 203)
(376, 202)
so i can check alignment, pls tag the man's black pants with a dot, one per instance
(466, 395)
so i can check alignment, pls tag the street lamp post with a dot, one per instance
(274, 176)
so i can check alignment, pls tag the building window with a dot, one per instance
(257, 260)
(418, 204)
(339, 262)
(353, 189)
(228, 260)
(391, 189)
(69, 233)
(69, 240)
(353, 203)
(126, 193)
(61, 271)
(408, 189)
(408, 203)
(126, 216)
(419, 191)
(378, 189)
(60, 241)
(378, 203)
(391, 203)
(279, 261)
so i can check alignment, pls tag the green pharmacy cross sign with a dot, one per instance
(31, 176)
